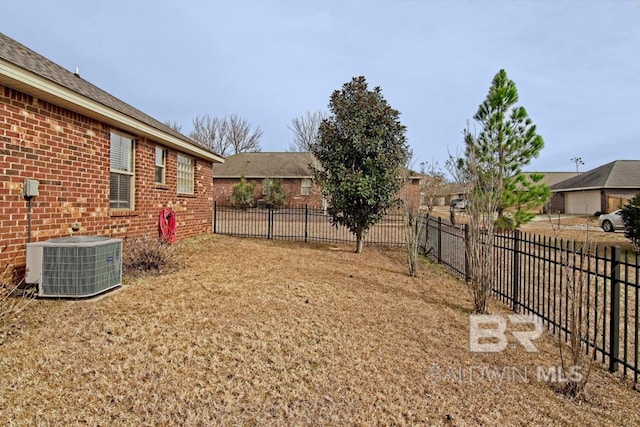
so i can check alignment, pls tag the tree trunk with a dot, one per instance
(359, 241)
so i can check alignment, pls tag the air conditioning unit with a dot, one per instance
(74, 267)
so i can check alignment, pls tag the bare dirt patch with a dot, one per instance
(273, 333)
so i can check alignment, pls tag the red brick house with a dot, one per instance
(292, 168)
(101, 166)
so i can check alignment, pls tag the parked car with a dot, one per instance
(459, 203)
(611, 221)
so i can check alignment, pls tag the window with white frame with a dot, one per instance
(161, 165)
(185, 174)
(305, 187)
(122, 172)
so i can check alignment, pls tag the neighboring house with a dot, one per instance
(100, 164)
(603, 189)
(551, 178)
(292, 168)
(455, 191)
(414, 189)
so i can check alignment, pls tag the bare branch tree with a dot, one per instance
(173, 125)
(585, 318)
(305, 130)
(459, 174)
(432, 185)
(210, 132)
(413, 221)
(240, 137)
(483, 202)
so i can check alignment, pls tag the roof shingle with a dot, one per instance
(266, 164)
(18, 54)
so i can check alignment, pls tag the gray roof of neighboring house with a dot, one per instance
(617, 174)
(266, 165)
(18, 54)
(551, 178)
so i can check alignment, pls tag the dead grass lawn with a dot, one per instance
(275, 333)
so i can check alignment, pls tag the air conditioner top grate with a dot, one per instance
(79, 239)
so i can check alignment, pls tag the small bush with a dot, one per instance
(275, 194)
(147, 254)
(631, 219)
(597, 213)
(14, 297)
(242, 194)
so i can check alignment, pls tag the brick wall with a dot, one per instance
(69, 155)
(222, 188)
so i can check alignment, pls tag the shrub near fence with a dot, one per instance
(531, 272)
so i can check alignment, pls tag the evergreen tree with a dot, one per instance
(631, 217)
(361, 148)
(508, 141)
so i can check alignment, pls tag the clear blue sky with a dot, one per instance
(576, 64)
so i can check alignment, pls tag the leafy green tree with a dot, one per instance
(361, 149)
(631, 218)
(508, 141)
(274, 192)
(242, 194)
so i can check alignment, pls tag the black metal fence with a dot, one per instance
(537, 275)
(533, 274)
(301, 224)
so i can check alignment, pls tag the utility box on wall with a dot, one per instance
(30, 188)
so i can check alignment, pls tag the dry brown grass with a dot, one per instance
(276, 333)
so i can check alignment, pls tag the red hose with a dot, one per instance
(167, 225)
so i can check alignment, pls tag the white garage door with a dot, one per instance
(582, 202)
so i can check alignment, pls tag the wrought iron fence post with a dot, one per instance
(269, 222)
(515, 274)
(425, 220)
(467, 267)
(439, 249)
(306, 222)
(614, 320)
(215, 212)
